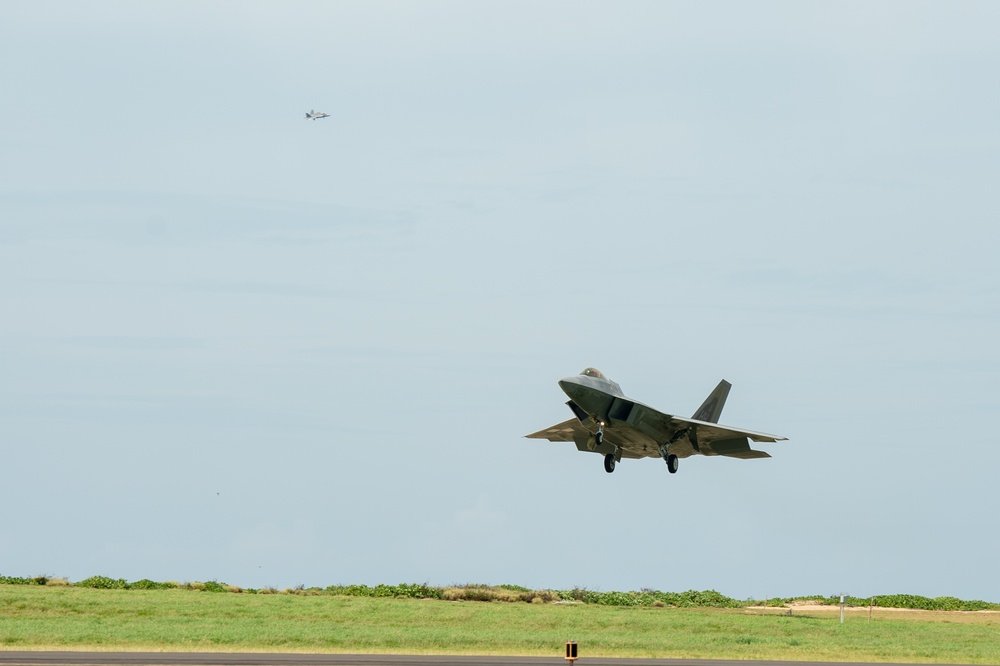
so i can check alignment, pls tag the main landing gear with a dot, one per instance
(609, 463)
(669, 458)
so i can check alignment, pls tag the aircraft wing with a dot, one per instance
(574, 431)
(567, 431)
(686, 436)
(637, 430)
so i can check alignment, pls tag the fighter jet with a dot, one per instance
(607, 422)
(316, 115)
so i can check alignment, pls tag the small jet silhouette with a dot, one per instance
(316, 115)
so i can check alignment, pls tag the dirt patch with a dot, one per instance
(813, 608)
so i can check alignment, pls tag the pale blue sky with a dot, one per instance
(241, 346)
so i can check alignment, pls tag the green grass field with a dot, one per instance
(46, 617)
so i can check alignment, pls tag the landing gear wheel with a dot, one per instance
(609, 463)
(672, 463)
(599, 437)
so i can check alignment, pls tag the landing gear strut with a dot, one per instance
(669, 457)
(609, 463)
(599, 435)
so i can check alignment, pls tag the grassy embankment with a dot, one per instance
(66, 617)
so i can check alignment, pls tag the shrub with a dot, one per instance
(478, 594)
(146, 584)
(514, 588)
(408, 591)
(349, 590)
(576, 594)
(16, 580)
(546, 596)
(104, 583)
(33, 580)
(925, 603)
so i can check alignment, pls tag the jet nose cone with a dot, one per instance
(569, 385)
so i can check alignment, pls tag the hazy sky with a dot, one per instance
(241, 346)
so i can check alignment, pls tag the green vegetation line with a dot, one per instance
(516, 593)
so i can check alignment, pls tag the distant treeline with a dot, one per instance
(516, 593)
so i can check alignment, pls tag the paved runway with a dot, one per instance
(12, 658)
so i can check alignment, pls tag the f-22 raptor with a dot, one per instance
(607, 422)
(316, 115)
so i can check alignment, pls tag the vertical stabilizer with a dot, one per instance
(711, 409)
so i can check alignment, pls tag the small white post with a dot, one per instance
(842, 600)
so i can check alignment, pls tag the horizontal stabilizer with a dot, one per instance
(748, 454)
(720, 432)
(736, 447)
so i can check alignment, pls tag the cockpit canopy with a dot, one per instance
(593, 372)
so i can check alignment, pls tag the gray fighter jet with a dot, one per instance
(316, 115)
(608, 423)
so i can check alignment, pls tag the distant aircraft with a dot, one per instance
(607, 422)
(316, 115)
